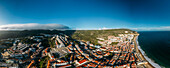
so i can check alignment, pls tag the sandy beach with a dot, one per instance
(145, 57)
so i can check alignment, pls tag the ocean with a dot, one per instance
(156, 45)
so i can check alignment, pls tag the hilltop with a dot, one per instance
(92, 35)
(86, 35)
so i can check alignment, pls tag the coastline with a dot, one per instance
(145, 57)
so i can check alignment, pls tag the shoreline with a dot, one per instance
(145, 57)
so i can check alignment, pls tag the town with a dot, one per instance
(61, 51)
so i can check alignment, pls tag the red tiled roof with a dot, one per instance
(82, 61)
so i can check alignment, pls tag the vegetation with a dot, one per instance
(86, 35)
(92, 35)
(24, 33)
(67, 56)
(5, 44)
(43, 62)
(51, 43)
(28, 41)
(114, 43)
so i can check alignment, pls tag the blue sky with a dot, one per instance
(89, 14)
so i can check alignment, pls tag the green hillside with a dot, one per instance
(91, 35)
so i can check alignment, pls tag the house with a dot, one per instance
(5, 54)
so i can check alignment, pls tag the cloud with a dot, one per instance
(161, 28)
(31, 26)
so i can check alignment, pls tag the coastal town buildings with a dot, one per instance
(114, 52)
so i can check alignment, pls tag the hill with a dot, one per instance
(92, 35)
(86, 35)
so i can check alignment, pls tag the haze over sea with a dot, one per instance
(156, 45)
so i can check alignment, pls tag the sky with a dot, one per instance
(88, 14)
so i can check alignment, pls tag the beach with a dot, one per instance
(151, 63)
